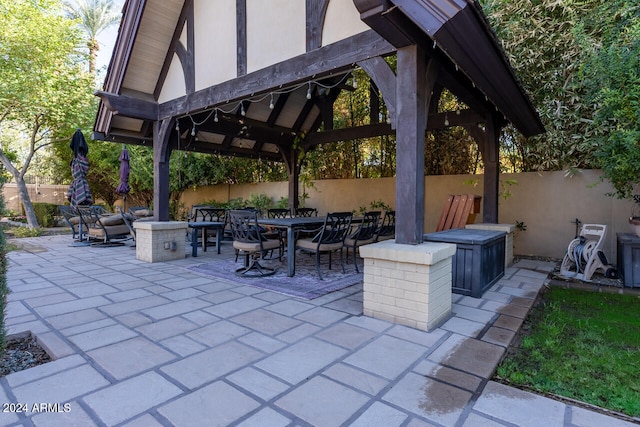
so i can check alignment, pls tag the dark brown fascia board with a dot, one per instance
(326, 61)
(131, 15)
(127, 106)
(476, 54)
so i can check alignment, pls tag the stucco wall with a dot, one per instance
(548, 203)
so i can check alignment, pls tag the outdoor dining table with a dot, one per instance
(292, 224)
(204, 226)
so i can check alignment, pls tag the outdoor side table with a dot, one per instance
(479, 259)
(204, 226)
(629, 259)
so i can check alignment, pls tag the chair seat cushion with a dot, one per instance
(112, 230)
(351, 242)
(309, 244)
(75, 220)
(255, 246)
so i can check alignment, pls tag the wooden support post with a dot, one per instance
(415, 81)
(491, 170)
(293, 172)
(161, 155)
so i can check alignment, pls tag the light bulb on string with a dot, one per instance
(177, 126)
(242, 112)
(215, 116)
(271, 102)
(446, 120)
(354, 82)
(309, 91)
(193, 130)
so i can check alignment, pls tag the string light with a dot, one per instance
(322, 88)
(446, 120)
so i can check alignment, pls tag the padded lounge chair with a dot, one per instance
(329, 238)
(108, 228)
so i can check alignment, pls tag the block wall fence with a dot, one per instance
(547, 203)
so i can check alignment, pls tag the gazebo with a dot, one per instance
(258, 79)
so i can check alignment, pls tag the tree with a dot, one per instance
(95, 16)
(44, 94)
(611, 73)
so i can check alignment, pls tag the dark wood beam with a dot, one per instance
(326, 61)
(247, 153)
(162, 131)
(122, 105)
(466, 118)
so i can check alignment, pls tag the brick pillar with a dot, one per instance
(160, 240)
(408, 284)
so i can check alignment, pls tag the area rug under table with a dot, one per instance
(305, 284)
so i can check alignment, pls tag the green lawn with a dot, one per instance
(582, 345)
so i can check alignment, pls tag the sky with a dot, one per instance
(107, 40)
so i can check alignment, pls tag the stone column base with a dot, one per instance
(158, 241)
(508, 239)
(408, 284)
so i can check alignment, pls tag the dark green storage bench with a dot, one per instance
(479, 259)
(629, 259)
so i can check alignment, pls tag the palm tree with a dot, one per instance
(95, 16)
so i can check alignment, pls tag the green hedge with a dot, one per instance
(46, 214)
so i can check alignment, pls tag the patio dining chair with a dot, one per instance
(251, 242)
(387, 229)
(329, 238)
(306, 212)
(364, 234)
(278, 213)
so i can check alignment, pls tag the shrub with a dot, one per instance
(46, 214)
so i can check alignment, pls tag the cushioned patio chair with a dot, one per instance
(329, 238)
(364, 234)
(72, 219)
(387, 229)
(251, 242)
(105, 227)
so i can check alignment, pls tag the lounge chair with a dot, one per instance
(105, 227)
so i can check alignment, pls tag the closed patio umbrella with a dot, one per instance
(123, 187)
(79, 193)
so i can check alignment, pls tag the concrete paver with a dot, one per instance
(139, 344)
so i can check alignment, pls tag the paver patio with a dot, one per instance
(141, 344)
